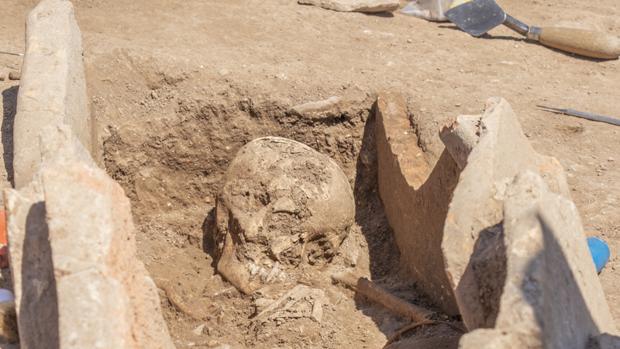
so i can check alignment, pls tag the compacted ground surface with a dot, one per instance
(178, 87)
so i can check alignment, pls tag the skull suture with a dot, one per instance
(282, 204)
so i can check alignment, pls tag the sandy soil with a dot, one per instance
(178, 87)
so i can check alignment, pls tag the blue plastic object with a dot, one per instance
(6, 296)
(600, 252)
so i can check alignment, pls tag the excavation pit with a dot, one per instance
(152, 73)
(172, 167)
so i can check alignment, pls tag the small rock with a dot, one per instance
(284, 205)
(199, 330)
(350, 249)
(368, 6)
(317, 107)
(330, 140)
(15, 75)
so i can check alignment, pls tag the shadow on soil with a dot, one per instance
(9, 104)
(208, 240)
(369, 212)
(384, 256)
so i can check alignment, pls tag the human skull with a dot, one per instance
(282, 204)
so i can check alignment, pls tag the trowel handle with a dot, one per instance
(582, 42)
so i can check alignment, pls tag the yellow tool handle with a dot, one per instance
(582, 42)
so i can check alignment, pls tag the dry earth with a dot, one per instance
(178, 87)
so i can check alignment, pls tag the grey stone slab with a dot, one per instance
(415, 192)
(552, 297)
(473, 222)
(78, 282)
(52, 88)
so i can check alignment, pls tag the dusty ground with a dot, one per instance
(178, 87)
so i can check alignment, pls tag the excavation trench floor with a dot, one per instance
(178, 87)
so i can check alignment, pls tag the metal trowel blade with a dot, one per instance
(476, 17)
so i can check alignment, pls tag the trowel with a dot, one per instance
(477, 17)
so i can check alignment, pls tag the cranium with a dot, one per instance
(282, 204)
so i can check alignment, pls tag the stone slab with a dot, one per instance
(473, 223)
(52, 88)
(77, 280)
(415, 192)
(552, 296)
(368, 6)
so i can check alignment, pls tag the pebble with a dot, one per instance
(199, 330)
(330, 140)
(15, 75)
(372, 6)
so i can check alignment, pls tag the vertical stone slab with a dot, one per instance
(471, 245)
(77, 279)
(52, 88)
(31, 267)
(552, 296)
(97, 271)
(81, 228)
(415, 196)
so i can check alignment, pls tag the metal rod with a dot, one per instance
(583, 115)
